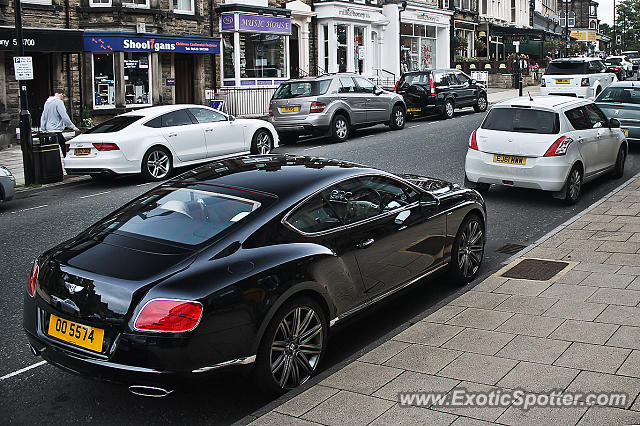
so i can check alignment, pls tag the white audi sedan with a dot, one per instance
(153, 141)
(552, 143)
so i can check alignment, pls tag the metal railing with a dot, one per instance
(247, 102)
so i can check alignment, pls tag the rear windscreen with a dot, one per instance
(562, 68)
(115, 124)
(298, 89)
(410, 79)
(523, 120)
(614, 61)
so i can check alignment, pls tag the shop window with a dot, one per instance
(144, 4)
(99, 3)
(137, 77)
(227, 55)
(342, 47)
(262, 55)
(406, 29)
(183, 6)
(419, 51)
(104, 89)
(325, 31)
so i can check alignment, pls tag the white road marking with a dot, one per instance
(95, 195)
(30, 208)
(411, 127)
(143, 184)
(22, 370)
(313, 147)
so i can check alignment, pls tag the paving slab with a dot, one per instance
(626, 337)
(277, 419)
(480, 299)
(410, 381)
(531, 325)
(589, 382)
(534, 349)
(384, 352)
(616, 296)
(348, 408)
(308, 399)
(478, 368)
(584, 331)
(428, 333)
(526, 304)
(607, 280)
(479, 341)
(574, 276)
(631, 366)
(480, 318)
(572, 309)
(610, 416)
(548, 416)
(596, 267)
(585, 356)
(476, 412)
(399, 415)
(361, 377)
(538, 378)
(559, 290)
(623, 315)
(491, 283)
(423, 359)
(445, 313)
(523, 287)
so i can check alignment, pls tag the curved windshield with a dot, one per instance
(298, 89)
(613, 61)
(622, 95)
(181, 215)
(115, 124)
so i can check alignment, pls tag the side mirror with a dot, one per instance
(378, 91)
(614, 123)
(428, 200)
(231, 118)
(473, 81)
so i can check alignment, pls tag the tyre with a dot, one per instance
(481, 105)
(618, 169)
(288, 139)
(447, 109)
(292, 347)
(573, 186)
(262, 142)
(339, 128)
(467, 251)
(397, 120)
(157, 164)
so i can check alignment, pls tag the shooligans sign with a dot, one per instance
(126, 43)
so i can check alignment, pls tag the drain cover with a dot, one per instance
(535, 269)
(510, 248)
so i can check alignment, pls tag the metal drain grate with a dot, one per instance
(510, 248)
(535, 269)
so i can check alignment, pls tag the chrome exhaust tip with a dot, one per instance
(34, 351)
(150, 391)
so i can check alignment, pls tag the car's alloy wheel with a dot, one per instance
(262, 143)
(397, 118)
(618, 170)
(448, 109)
(481, 106)
(573, 186)
(340, 128)
(468, 250)
(156, 164)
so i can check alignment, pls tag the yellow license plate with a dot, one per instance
(415, 109)
(510, 159)
(78, 334)
(291, 109)
(562, 81)
(83, 151)
(626, 132)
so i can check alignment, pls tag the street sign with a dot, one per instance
(23, 67)
(517, 45)
(217, 104)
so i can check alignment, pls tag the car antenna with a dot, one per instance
(530, 98)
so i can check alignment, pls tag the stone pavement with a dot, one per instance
(579, 331)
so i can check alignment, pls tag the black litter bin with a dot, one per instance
(46, 159)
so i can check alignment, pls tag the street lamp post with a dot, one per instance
(566, 28)
(26, 143)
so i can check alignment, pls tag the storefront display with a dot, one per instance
(104, 86)
(137, 74)
(418, 47)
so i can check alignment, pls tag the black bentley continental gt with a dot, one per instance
(246, 262)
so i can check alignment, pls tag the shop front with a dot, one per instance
(424, 38)
(350, 38)
(137, 70)
(255, 47)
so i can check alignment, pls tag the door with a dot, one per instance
(606, 138)
(465, 93)
(41, 87)
(222, 137)
(393, 236)
(184, 67)
(357, 102)
(377, 105)
(585, 136)
(294, 53)
(185, 137)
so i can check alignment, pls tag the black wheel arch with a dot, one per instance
(341, 111)
(158, 145)
(273, 134)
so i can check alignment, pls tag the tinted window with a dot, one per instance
(579, 118)
(296, 89)
(115, 124)
(410, 79)
(626, 95)
(596, 117)
(204, 115)
(561, 68)
(524, 120)
(347, 85)
(155, 123)
(176, 118)
(315, 215)
(596, 67)
(181, 215)
(365, 86)
(462, 78)
(440, 79)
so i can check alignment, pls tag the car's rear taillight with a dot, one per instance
(473, 142)
(66, 147)
(585, 82)
(106, 146)
(169, 315)
(33, 278)
(432, 84)
(270, 111)
(559, 147)
(317, 107)
(543, 83)
(395, 89)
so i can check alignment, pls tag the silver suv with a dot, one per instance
(332, 105)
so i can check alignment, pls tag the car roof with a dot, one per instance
(546, 102)
(162, 109)
(625, 83)
(576, 59)
(285, 176)
(615, 57)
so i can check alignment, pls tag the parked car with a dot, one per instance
(243, 262)
(332, 105)
(580, 77)
(622, 101)
(440, 91)
(7, 184)
(634, 57)
(622, 65)
(550, 143)
(153, 141)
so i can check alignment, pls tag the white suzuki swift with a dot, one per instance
(552, 143)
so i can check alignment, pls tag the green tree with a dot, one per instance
(628, 24)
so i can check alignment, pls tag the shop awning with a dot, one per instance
(161, 43)
(42, 40)
(520, 34)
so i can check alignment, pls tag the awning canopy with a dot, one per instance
(42, 40)
(521, 34)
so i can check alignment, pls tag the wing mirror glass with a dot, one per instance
(428, 200)
(473, 81)
(378, 91)
(231, 118)
(614, 123)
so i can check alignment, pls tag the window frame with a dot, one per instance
(191, 11)
(214, 112)
(146, 5)
(39, 2)
(149, 78)
(93, 80)
(107, 3)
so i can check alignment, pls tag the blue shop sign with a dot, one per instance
(114, 42)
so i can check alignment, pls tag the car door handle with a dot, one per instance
(365, 243)
(172, 134)
(209, 129)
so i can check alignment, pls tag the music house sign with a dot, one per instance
(254, 49)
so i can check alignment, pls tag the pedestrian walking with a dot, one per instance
(55, 119)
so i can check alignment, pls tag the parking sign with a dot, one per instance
(23, 67)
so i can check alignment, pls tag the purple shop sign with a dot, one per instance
(228, 22)
(264, 24)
